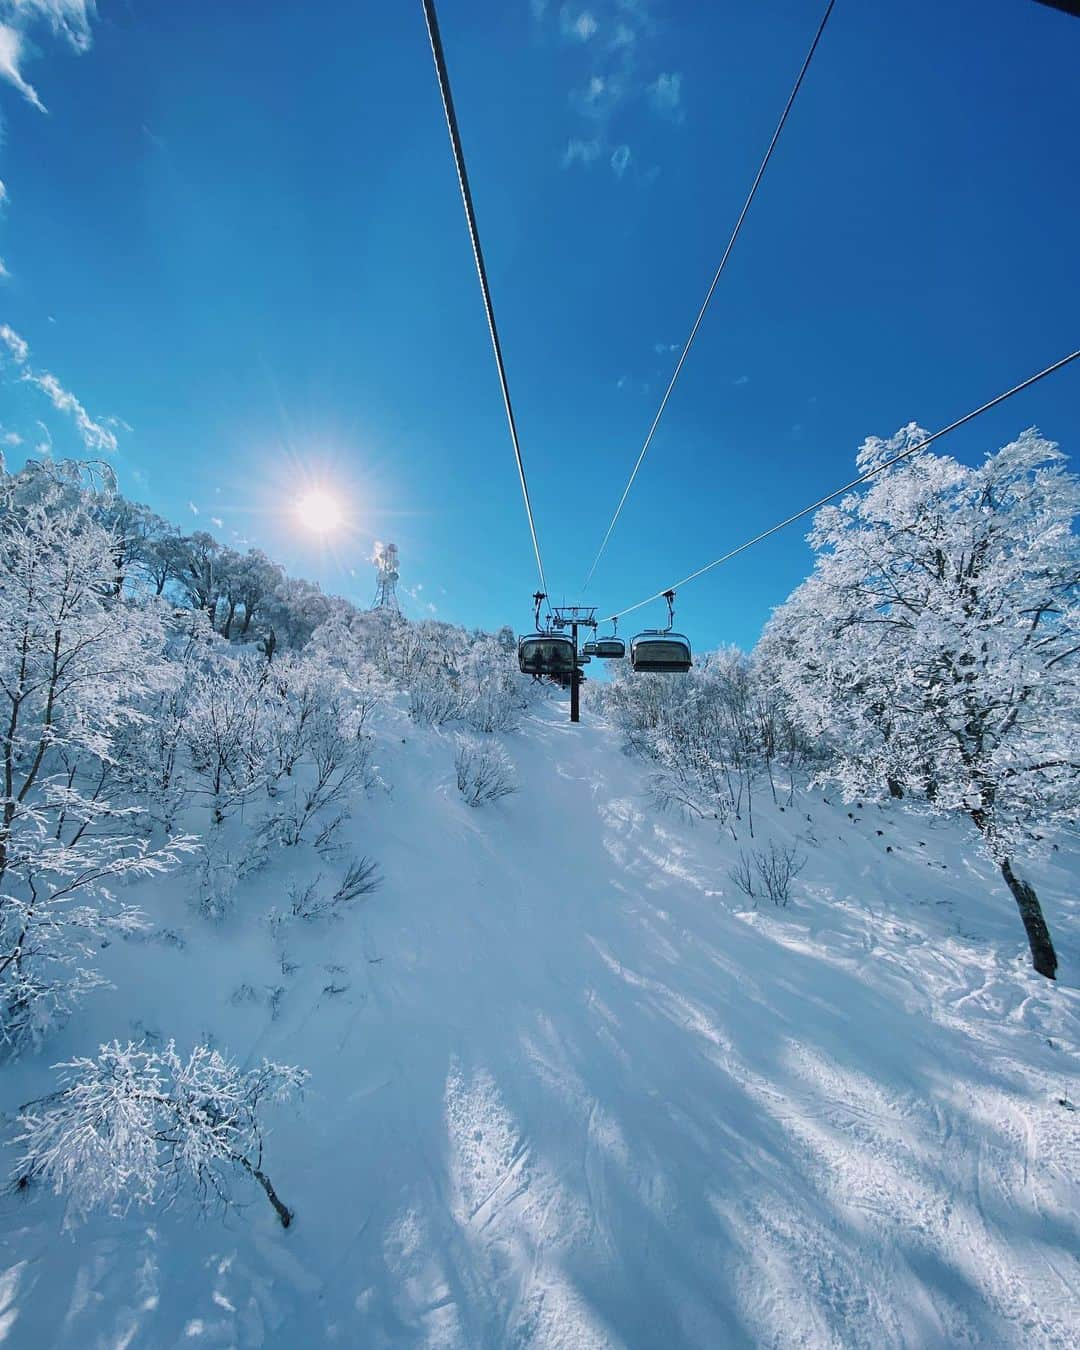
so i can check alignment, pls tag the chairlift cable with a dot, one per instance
(855, 482)
(709, 294)
(474, 236)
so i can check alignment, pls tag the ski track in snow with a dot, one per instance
(569, 1091)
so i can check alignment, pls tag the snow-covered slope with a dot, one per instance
(568, 1089)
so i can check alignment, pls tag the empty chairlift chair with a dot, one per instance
(611, 648)
(659, 650)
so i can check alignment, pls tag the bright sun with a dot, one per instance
(319, 511)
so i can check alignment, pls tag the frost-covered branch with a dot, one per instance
(133, 1126)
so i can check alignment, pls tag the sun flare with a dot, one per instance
(319, 511)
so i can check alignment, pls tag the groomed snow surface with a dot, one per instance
(570, 1089)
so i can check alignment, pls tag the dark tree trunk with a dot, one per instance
(281, 1210)
(895, 790)
(1043, 956)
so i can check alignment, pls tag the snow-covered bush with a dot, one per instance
(714, 734)
(484, 771)
(768, 872)
(217, 877)
(778, 868)
(436, 696)
(310, 901)
(138, 1126)
(936, 647)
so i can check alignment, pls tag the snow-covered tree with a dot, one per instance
(494, 689)
(138, 1126)
(936, 644)
(714, 734)
(225, 729)
(76, 663)
(197, 570)
(350, 644)
(250, 583)
(292, 612)
(311, 724)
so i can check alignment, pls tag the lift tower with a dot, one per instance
(575, 617)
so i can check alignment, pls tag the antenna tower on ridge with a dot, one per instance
(385, 558)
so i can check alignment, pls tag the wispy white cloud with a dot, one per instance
(10, 437)
(581, 152)
(580, 26)
(665, 94)
(11, 55)
(17, 346)
(95, 436)
(612, 35)
(620, 160)
(216, 520)
(193, 508)
(68, 19)
(664, 348)
(741, 379)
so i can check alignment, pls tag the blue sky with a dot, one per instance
(243, 241)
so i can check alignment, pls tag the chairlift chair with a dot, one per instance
(545, 652)
(589, 649)
(611, 648)
(659, 650)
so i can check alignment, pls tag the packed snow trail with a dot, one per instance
(570, 1090)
